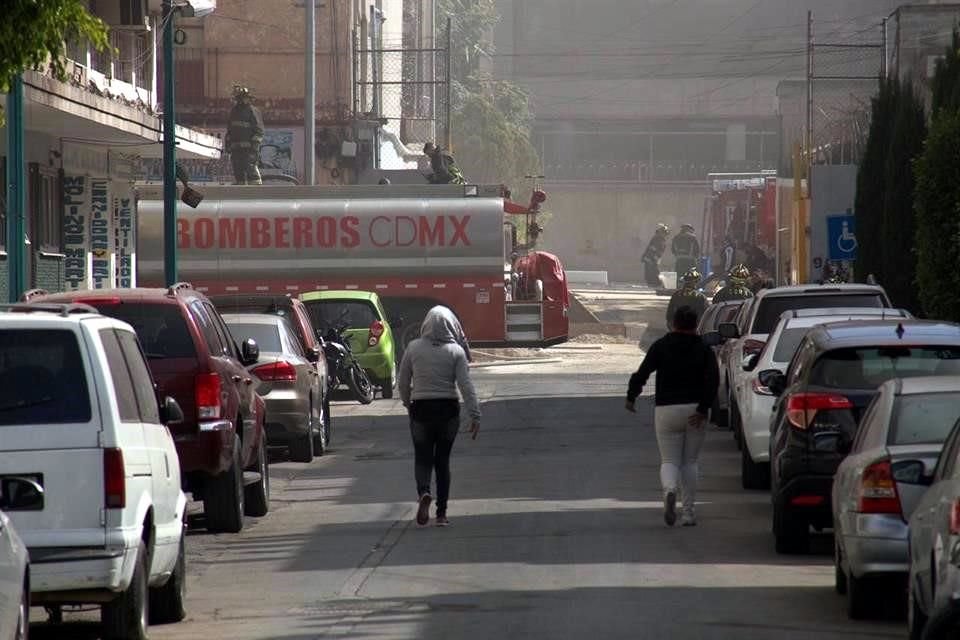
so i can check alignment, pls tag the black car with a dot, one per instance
(830, 381)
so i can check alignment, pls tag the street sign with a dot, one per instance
(841, 237)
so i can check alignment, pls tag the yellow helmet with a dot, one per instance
(691, 277)
(739, 274)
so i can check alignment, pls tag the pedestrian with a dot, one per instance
(687, 295)
(652, 254)
(433, 367)
(686, 249)
(244, 137)
(686, 386)
(736, 287)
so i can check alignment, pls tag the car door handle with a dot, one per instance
(236, 378)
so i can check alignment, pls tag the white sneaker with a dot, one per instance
(670, 508)
(688, 518)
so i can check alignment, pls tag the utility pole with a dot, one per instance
(808, 127)
(169, 151)
(16, 192)
(310, 95)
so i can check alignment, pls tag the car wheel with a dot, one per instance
(320, 433)
(167, 602)
(861, 597)
(125, 618)
(791, 534)
(916, 619)
(327, 424)
(719, 416)
(257, 496)
(22, 629)
(839, 575)
(301, 447)
(386, 391)
(223, 498)
(753, 475)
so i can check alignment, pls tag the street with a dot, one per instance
(557, 532)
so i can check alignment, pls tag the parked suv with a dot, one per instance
(296, 312)
(80, 424)
(830, 381)
(195, 360)
(758, 317)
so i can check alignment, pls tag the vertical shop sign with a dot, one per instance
(75, 224)
(125, 246)
(101, 269)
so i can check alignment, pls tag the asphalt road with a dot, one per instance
(557, 532)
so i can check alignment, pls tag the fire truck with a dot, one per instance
(416, 246)
(742, 206)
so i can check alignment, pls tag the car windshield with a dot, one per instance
(267, 336)
(356, 314)
(788, 343)
(160, 327)
(772, 307)
(869, 367)
(42, 380)
(924, 418)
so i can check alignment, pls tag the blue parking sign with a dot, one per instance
(841, 237)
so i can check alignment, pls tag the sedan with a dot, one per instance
(712, 318)
(881, 481)
(289, 383)
(15, 493)
(934, 588)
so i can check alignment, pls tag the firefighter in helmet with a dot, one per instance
(736, 288)
(244, 137)
(688, 295)
(445, 169)
(653, 253)
(686, 249)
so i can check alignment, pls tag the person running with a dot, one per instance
(686, 385)
(433, 367)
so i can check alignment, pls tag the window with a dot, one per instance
(46, 208)
(143, 387)
(229, 344)
(947, 464)
(357, 314)
(160, 327)
(924, 418)
(201, 317)
(122, 385)
(772, 307)
(869, 367)
(42, 378)
(267, 336)
(293, 340)
(870, 433)
(788, 343)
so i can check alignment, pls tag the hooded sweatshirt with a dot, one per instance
(437, 363)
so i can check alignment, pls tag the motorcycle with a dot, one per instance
(342, 365)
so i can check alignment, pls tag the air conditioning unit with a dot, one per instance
(134, 16)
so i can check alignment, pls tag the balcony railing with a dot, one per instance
(124, 71)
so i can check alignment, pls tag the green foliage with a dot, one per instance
(938, 218)
(33, 33)
(471, 21)
(946, 80)
(868, 205)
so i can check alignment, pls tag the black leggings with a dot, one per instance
(432, 444)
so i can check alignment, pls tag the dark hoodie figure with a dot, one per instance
(434, 366)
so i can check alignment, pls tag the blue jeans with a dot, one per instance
(432, 444)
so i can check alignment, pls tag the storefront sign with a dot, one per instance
(101, 268)
(125, 243)
(76, 205)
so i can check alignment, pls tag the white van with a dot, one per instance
(79, 416)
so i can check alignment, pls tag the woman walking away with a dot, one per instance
(687, 380)
(433, 367)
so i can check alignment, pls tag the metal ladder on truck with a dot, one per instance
(524, 321)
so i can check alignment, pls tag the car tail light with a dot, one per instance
(752, 347)
(114, 479)
(376, 332)
(878, 490)
(759, 389)
(208, 396)
(802, 407)
(955, 518)
(280, 371)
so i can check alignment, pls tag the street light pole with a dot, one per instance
(16, 192)
(310, 95)
(169, 152)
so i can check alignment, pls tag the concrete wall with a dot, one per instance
(606, 226)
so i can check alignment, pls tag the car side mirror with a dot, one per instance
(313, 354)
(712, 339)
(729, 330)
(250, 352)
(751, 362)
(20, 494)
(774, 380)
(170, 412)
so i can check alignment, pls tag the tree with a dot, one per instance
(34, 33)
(868, 205)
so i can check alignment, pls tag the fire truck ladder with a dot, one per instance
(524, 321)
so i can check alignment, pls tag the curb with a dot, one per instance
(514, 363)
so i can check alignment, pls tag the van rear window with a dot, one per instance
(772, 307)
(869, 367)
(161, 328)
(42, 379)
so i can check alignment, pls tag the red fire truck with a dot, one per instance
(742, 206)
(415, 245)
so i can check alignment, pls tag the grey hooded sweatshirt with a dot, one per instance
(435, 364)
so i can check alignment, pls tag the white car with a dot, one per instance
(79, 417)
(14, 561)
(754, 403)
(758, 317)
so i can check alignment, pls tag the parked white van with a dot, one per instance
(79, 416)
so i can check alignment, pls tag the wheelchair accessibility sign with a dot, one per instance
(841, 237)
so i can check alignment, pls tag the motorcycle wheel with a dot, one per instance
(360, 384)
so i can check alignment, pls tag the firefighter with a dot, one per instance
(445, 169)
(686, 249)
(651, 257)
(736, 288)
(244, 136)
(729, 253)
(688, 295)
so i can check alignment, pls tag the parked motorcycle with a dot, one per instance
(342, 365)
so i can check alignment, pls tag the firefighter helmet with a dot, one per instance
(662, 228)
(739, 274)
(691, 278)
(241, 92)
(687, 227)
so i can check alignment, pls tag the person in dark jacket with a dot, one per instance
(652, 254)
(445, 169)
(688, 295)
(244, 137)
(686, 386)
(737, 286)
(686, 249)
